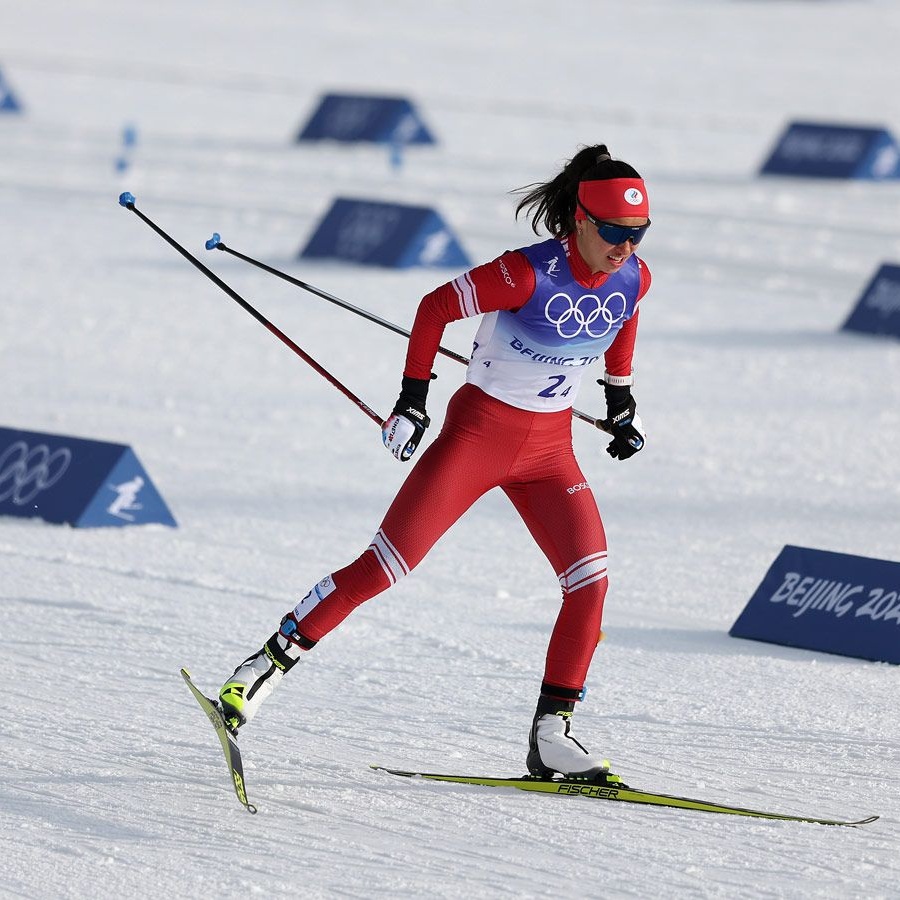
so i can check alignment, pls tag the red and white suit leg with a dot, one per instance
(484, 444)
(452, 473)
(562, 516)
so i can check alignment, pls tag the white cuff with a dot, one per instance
(618, 380)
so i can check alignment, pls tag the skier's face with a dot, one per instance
(600, 255)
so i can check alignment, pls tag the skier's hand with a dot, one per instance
(404, 428)
(622, 422)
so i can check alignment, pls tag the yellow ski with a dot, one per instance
(609, 787)
(226, 738)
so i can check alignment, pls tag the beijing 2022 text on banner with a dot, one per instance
(825, 150)
(80, 482)
(354, 118)
(394, 235)
(833, 602)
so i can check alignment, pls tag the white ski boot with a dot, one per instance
(257, 676)
(553, 750)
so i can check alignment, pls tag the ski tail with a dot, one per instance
(228, 741)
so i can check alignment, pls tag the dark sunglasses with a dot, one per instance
(617, 234)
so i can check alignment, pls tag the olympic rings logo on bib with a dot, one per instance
(588, 313)
(25, 473)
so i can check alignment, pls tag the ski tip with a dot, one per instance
(214, 241)
(390, 771)
(126, 199)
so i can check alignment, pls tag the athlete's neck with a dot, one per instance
(580, 269)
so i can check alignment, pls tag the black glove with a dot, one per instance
(405, 426)
(622, 422)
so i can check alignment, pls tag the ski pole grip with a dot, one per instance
(126, 199)
(214, 241)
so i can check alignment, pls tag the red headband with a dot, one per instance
(613, 198)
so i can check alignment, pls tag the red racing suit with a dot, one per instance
(546, 318)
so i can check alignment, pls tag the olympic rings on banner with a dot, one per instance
(25, 473)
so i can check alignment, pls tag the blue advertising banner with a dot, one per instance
(813, 150)
(385, 234)
(833, 602)
(353, 118)
(8, 101)
(878, 309)
(80, 482)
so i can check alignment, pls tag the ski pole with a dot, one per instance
(127, 200)
(216, 243)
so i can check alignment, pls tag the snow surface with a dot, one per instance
(767, 426)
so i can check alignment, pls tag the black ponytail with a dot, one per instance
(552, 203)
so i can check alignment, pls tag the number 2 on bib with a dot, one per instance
(552, 390)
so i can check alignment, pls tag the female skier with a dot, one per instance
(549, 310)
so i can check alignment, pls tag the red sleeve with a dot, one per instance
(620, 354)
(506, 283)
